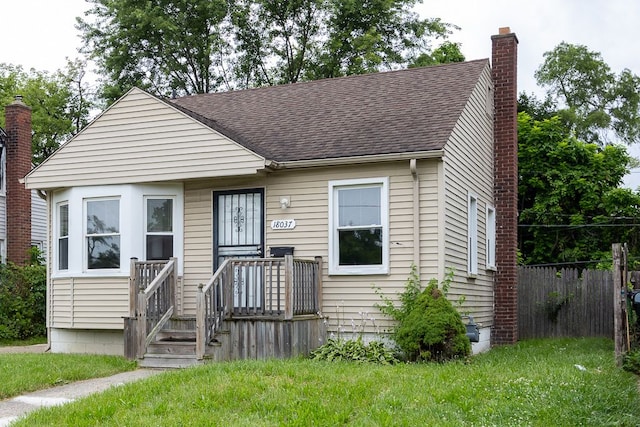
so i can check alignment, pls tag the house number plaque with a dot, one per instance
(283, 224)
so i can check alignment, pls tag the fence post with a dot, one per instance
(318, 295)
(619, 303)
(201, 320)
(141, 330)
(288, 287)
(174, 284)
(133, 288)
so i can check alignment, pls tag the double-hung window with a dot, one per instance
(359, 230)
(159, 228)
(102, 233)
(63, 236)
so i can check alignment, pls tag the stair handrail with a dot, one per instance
(156, 305)
(212, 304)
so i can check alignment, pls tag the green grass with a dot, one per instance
(534, 383)
(28, 341)
(25, 372)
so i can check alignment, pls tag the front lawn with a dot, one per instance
(540, 383)
(24, 372)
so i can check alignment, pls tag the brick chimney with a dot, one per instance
(18, 129)
(504, 71)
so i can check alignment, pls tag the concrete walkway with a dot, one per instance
(15, 407)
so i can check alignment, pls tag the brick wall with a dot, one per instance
(504, 70)
(18, 129)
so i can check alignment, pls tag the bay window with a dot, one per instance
(63, 236)
(103, 233)
(159, 228)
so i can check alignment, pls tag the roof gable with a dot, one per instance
(139, 139)
(413, 110)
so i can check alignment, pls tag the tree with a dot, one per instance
(161, 45)
(60, 103)
(198, 46)
(595, 101)
(570, 206)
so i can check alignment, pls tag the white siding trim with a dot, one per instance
(490, 237)
(472, 234)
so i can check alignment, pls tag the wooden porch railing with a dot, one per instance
(152, 298)
(269, 287)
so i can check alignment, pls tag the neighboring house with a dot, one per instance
(24, 209)
(371, 173)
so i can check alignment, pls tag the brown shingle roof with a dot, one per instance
(389, 112)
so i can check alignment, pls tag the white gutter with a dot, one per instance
(416, 214)
(338, 161)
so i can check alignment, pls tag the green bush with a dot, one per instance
(631, 362)
(428, 327)
(22, 300)
(337, 349)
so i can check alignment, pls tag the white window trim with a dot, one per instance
(131, 224)
(490, 238)
(472, 235)
(158, 233)
(85, 235)
(334, 267)
(58, 236)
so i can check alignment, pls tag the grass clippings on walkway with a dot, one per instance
(540, 383)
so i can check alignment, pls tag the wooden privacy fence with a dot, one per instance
(564, 303)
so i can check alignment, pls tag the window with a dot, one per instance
(103, 233)
(63, 236)
(491, 238)
(159, 228)
(359, 232)
(472, 235)
(3, 252)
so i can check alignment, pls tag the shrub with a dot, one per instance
(22, 300)
(631, 362)
(337, 349)
(428, 327)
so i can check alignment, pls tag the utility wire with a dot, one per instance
(577, 225)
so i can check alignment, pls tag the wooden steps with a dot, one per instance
(176, 348)
(239, 338)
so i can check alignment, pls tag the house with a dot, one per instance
(212, 215)
(23, 212)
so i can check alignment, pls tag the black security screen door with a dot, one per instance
(238, 218)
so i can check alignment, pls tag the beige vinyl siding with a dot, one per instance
(468, 167)
(39, 221)
(142, 139)
(308, 192)
(89, 303)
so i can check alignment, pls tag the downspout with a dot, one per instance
(416, 214)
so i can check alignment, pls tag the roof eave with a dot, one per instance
(339, 161)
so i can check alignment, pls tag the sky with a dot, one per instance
(40, 34)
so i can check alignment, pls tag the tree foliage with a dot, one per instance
(22, 299)
(60, 103)
(570, 206)
(199, 46)
(595, 102)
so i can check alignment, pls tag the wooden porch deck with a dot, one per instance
(250, 308)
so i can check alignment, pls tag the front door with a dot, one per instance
(239, 233)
